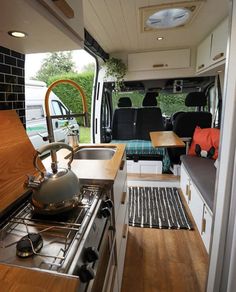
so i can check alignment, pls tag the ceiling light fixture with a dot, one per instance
(160, 38)
(17, 34)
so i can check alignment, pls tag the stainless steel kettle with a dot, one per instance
(56, 191)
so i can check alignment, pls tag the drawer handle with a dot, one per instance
(189, 195)
(218, 56)
(203, 225)
(187, 190)
(125, 231)
(122, 164)
(201, 66)
(159, 65)
(123, 199)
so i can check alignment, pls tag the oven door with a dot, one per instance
(105, 267)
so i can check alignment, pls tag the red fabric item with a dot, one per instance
(206, 138)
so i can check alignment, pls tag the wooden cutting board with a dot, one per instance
(16, 159)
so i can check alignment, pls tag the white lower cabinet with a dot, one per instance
(120, 199)
(184, 182)
(206, 227)
(144, 166)
(196, 206)
(201, 213)
(122, 250)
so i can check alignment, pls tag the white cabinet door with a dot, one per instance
(206, 227)
(119, 185)
(120, 220)
(203, 54)
(122, 251)
(171, 59)
(196, 206)
(219, 42)
(184, 181)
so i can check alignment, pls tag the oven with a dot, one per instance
(78, 244)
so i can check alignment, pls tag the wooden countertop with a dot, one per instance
(13, 279)
(166, 139)
(92, 171)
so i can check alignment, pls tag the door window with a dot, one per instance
(59, 108)
(106, 111)
(34, 112)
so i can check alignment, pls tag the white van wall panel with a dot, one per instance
(159, 60)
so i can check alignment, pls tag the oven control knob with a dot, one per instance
(86, 273)
(91, 254)
(108, 203)
(105, 212)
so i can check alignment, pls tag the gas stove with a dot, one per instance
(52, 243)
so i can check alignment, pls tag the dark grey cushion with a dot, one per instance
(203, 174)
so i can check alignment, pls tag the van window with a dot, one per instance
(59, 108)
(34, 112)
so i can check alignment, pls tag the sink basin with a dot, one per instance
(95, 153)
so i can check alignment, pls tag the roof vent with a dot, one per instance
(170, 15)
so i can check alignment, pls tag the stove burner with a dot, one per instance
(24, 245)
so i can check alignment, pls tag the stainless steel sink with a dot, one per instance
(95, 153)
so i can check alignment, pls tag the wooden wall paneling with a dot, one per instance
(16, 158)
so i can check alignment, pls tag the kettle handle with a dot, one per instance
(52, 146)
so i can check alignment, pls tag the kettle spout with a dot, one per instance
(32, 182)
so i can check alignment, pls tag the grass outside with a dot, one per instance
(84, 136)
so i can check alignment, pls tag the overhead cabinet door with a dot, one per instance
(203, 54)
(172, 59)
(219, 42)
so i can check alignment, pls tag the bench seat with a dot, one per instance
(203, 174)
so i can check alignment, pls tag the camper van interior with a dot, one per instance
(149, 205)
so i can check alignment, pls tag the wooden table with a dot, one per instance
(166, 139)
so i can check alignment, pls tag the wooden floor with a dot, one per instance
(164, 260)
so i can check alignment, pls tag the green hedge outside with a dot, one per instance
(70, 95)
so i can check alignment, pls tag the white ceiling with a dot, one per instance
(115, 24)
(45, 32)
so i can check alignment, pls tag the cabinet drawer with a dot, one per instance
(159, 60)
(206, 227)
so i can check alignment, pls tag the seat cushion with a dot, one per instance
(143, 150)
(203, 174)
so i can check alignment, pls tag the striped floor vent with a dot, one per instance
(154, 207)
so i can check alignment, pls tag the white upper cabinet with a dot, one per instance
(219, 42)
(203, 54)
(171, 59)
(213, 49)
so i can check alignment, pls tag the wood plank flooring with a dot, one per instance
(164, 261)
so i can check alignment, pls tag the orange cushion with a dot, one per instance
(206, 138)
